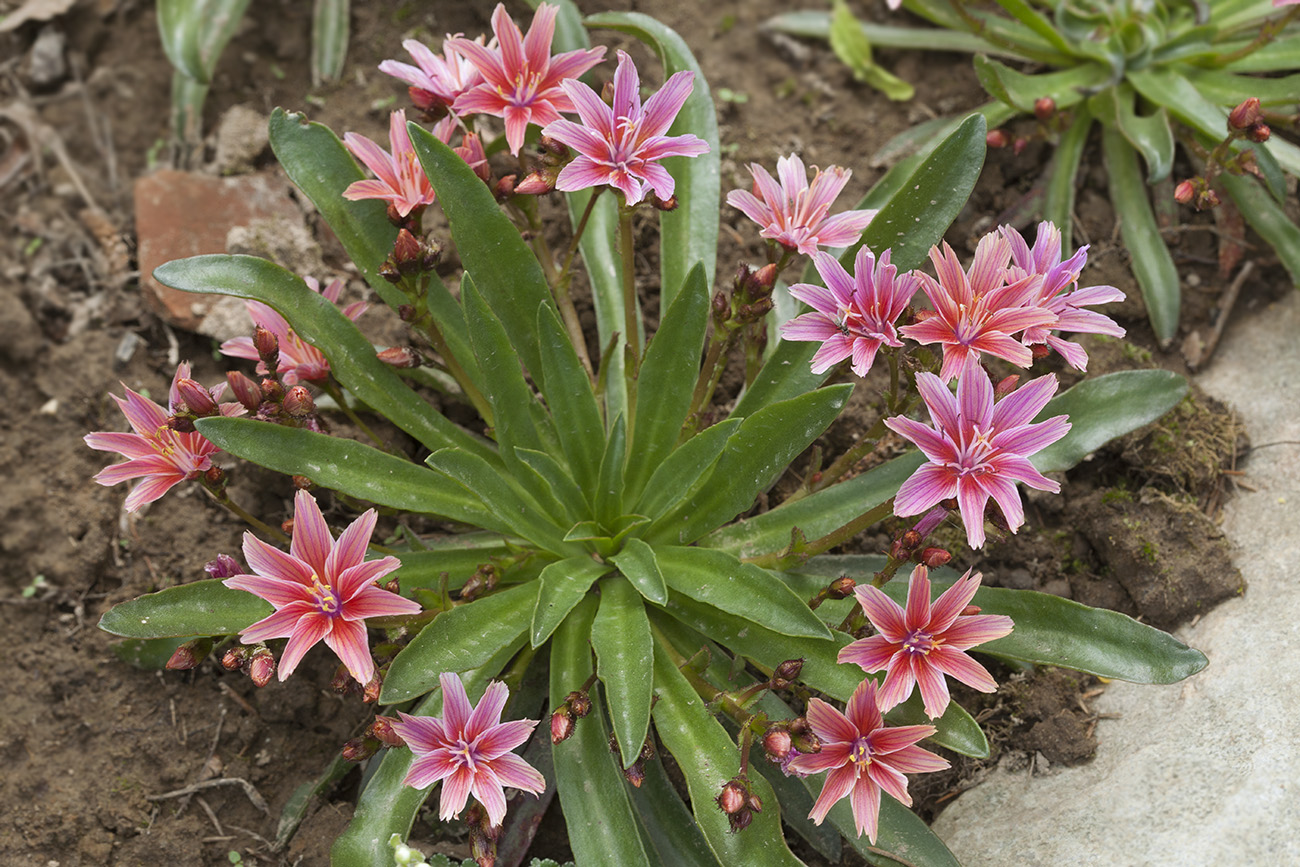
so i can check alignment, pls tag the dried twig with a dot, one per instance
(257, 800)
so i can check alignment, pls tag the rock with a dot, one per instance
(242, 136)
(20, 336)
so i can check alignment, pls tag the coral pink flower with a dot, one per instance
(435, 82)
(322, 588)
(622, 146)
(863, 756)
(470, 748)
(155, 453)
(977, 449)
(1054, 294)
(522, 81)
(978, 313)
(921, 644)
(794, 213)
(402, 182)
(854, 315)
(298, 360)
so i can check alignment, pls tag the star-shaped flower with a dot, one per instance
(401, 179)
(922, 643)
(794, 213)
(863, 756)
(470, 749)
(852, 316)
(522, 81)
(977, 449)
(436, 82)
(622, 145)
(321, 589)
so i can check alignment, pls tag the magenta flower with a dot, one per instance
(1054, 293)
(320, 589)
(852, 316)
(402, 182)
(978, 313)
(436, 82)
(470, 748)
(794, 213)
(977, 449)
(522, 81)
(863, 756)
(157, 454)
(921, 644)
(622, 146)
(299, 360)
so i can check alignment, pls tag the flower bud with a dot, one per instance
(408, 254)
(1019, 145)
(382, 730)
(360, 749)
(911, 539)
(841, 587)
(261, 668)
(935, 557)
(635, 774)
(762, 281)
(370, 694)
(1006, 386)
(1245, 115)
(740, 821)
(537, 183)
(272, 391)
(389, 271)
(668, 204)
(786, 673)
(721, 307)
(561, 725)
(244, 390)
(224, 566)
(996, 138)
(1259, 132)
(579, 703)
(534, 184)
(732, 797)
(180, 424)
(899, 551)
(554, 147)
(1206, 200)
(298, 402)
(1044, 107)
(233, 659)
(754, 802)
(428, 102)
(1040, 351)
(214, 476)
(777, 742)
(190, 654)
(267, 346)
(198, 399)
(342, 682)
(1184, 193)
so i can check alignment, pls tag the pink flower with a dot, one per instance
(854, 315)
(320, 589)
(622, 146)
(156, 453)
(978, 313)
(1054, 293)
(863, 756)
(435, 82)
(402, 182)
(522, 81)
(470, 748)
(298, 360)
(921, 644)
(1278, 3)
(794, 214)
(977, 449)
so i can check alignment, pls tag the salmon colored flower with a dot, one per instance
(299, 360)
(863, 756)
(852, 316)
(436, 82)
(1054, 293)
(522, 81)
(321, 589)
(920, 644)
(621, 145)
(981, 311)
(158, 455)
(794, 213)
(469, 748)
(977, 449)
(401, 179)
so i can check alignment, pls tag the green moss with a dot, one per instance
(1118, 494)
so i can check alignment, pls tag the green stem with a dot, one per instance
(1267, 33)
(332, 389)
(425, 322)
(577, 235)
(786, 559)
(559, 280)
(630, 319)
(219, 494)
(710, 374)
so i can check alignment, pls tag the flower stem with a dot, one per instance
(332, 389)
(218, 492)
(630, 319)
(577, 235)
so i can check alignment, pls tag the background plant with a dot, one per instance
(1151, 76)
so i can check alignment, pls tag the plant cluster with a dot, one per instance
(602, 562)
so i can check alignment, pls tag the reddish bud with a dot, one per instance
(579, 703)
(272, 391)
(370, 694)
(841, 587)
(561, 725)
(244, 390)
(732, 797)
(1207, 199)
(180, 424)
(1006, 386)
(190, 654)
(508, 186)
(754, 802)
(935, 557)
(996, 138)
(198, 399)
(408, 252)
(1185, 192)
(224, 566)
(762, 281)
(554, 147)
(740, 821)
(267, 346)
(1044, 107)
(777, 742)
(721, 307)
(342, 681)
(302, 483)
(261, 668)
(911, 539)
(898, 551)
(668, 204)
(537, 183)
(1245, 115)
(360, 749)
(389, 271)
(382, 730)
(298, 402)
(214, 476)
(1259, 132)
(970, 610)
(786, 673)
(233, 659)
(1040, 351)
(1019, 145)
(635, 774)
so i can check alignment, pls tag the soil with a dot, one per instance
(94, 745)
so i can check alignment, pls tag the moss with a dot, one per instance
(1117, 494)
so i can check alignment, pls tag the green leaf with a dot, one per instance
(578, 424)
(685, 469)
(608, 498)
(638, 564)
(1152, 265)
(346, 466)
(459, 556)
(666, 380)
(1067, 87)
(319, 165)
(1150, 135)
(911, 223)
(1106, 407)
(195, 32)
(720, 580)
(1058, 200)
(1269, 220)
(149, 654)
(202, 608)
(817, 514)
(601, 823)
(329, 40)
(817, 25)
(1229, 89)
(708, 759)
(464, 638)
(1054, 631)
(320, 322)
(504, 269)
(1035, 22)
(556, 482)
(668, 821)
(761, 449)
(295, 808)
(853, 48)
(688, 234)
(563, 585)
(624, 649)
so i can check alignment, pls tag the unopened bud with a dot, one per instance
(302, 483)
(1184, 193)
(721, 306)
(190, 654)
(754, 802)
(537, 183)
(635, 774)
(342, 681)
(1206, 200)
(668, 204)
(389, 271)
(805, 741)
(777, 742)
(554, 147)
(298, 402)
(408, 254)
(1019, 145)
(272, 391)
(762, 281)
(180, 424)
(244, 390)
(427, 101)
(1006, 386)
(899, 551)
(532, 185)
(786, 673)
(1245, 115)
(841, 587)
(261, 668)
(360, 749)
(267, 346)
(1044, 107)
(1040, 351)
(740, 820)
(233, 659)
(579, 703)
(935, 557)
(382, 730)
(224, 566)
(1259, 132)
(198, 399)
(561, 725)
(996, 138)
(732, 797)
(607, 93)
(370, 694)
(214, 476)
(970, 610)
(911, 539)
